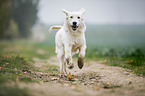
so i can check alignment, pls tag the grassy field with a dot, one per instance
(16, 63)
(16, 57)
(115, 45)
(121, 46)
(118, 45)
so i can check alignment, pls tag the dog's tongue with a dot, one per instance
(74, 27)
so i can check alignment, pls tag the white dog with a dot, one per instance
(70, 39)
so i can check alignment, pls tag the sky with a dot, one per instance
(97, 11)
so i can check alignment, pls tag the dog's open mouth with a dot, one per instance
(74, 27)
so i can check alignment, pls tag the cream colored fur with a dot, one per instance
(68, 42)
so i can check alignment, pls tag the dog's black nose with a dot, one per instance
(74, 23)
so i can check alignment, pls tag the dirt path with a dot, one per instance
(93, 80)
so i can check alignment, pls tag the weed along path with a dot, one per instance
(93, 80)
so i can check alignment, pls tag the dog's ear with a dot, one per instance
(66, 12)
(82, 11)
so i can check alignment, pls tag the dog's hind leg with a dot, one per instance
(60, 55)
(61, 60)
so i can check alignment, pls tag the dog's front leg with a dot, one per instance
(68, 56)
(81, 56)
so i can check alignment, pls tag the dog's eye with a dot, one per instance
(71, 16)
(78, 17)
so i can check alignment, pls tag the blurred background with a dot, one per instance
(113, 23)
(115, 36)
(114, 27)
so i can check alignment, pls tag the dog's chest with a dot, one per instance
(76, 41)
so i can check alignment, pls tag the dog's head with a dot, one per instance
(74, 19)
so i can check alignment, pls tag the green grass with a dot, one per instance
(136, 64)
(116, 46)
(130, 58)
(28, 49)
(11, 68)
(16, 56)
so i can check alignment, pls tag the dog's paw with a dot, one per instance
(80, 62)
(70, 66)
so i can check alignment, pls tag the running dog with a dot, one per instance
(70, 39)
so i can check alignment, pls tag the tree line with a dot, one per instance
(17, 18)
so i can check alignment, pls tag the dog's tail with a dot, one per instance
(54, 28)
